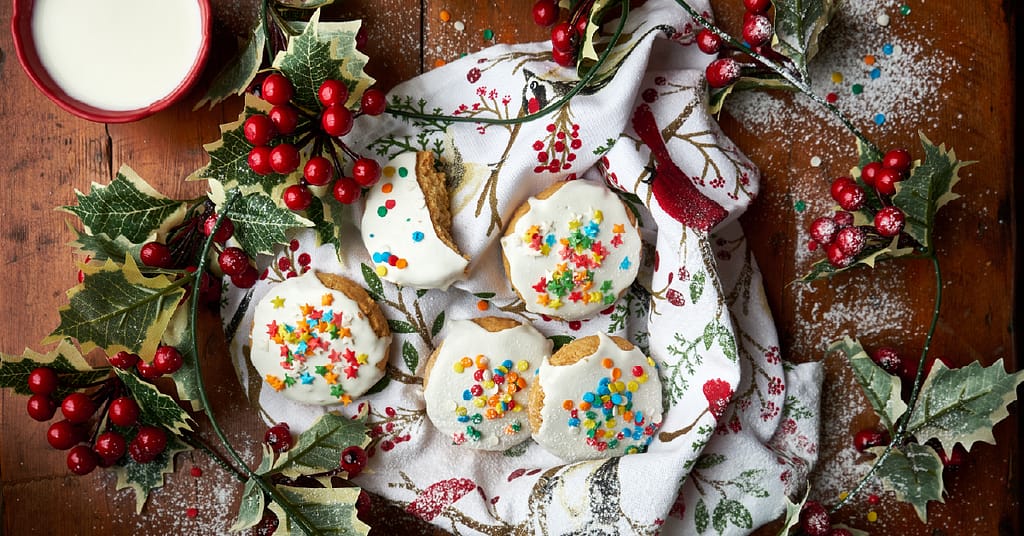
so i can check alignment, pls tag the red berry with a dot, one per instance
(43, 381)
(581, 25)
(814, 519)
(839, 532)
(346, 190)
(365, 171)
(138, 454)
(708, 42)
(168, 359)
(123, 411)
(41, 407)
(124, 360)
(110, 446)
(223, 233)
(885, 181)
(353, 460)
(545, 12)
(336, 121)
(870, 437)
(284, 158)
(757, 6)
(562, 37)
(361, 38)
(373, 102)
(722, 72)
(889, 221)
(297, 197)
(151, 440)
(246, 279)
(148, 371)
(838, 185)
(63, 435)
(233, 261)
(836, 256)
(77, 407)
(285, 118)
(156, 254)
(259, 129)
(851, 198)
(278, 437)
(318, 171)
(82, 460)
(823, 230)
(757, 30)
(277, 89)
(850, 240)
(843, 219)
(563, 58)
(888, 359)
(259, 160)
(897, 160)
(869, 172)
(332, 93)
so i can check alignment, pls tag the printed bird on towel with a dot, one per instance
(674, 190)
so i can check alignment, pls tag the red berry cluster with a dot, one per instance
(814, 520)
(567, 35)
(843, 241)
(757, 33)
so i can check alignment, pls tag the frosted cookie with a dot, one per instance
(407, 222)
(572, 250)
(597, 397)
(319, 339)
(477, 383)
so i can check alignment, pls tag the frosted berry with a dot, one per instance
(562, 37)
(233, 261)
(82, 460)
(110, 446)
(836, 256)
(43, 380)
(259, 129)
(151, 440)
(814, 519)
(870, 437)
(284, 158)
(885, 181)
(869, 172)
(545, 12)
(259, 160)
(757, 30)
(63, 435)
(346, 190)
(332, 93)
(278, 437)
(757, 6)
(722, 72)
(123, 411)
(336, 121)
(223, 233)
(889, 221)
(839, 184)
(318, 171)
(353, 460)
(168, 359)
(297, 197)
(246, 279)
(897, 160)
(365, 171)
(137, 453)
(156, 254)
(277, 89)
(285, 118)
(850, 240)
(851, 198)
(77, 407)
(41, 407)
(148, 371)
(823, 230)
(708, 42)
(888, 359)
(843, 219)
(373, 102)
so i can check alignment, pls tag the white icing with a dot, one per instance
(550, 220)
(572, 382)
(445, 392)
(342, 355)
(405, 231)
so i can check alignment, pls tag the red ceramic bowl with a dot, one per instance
(25, 47)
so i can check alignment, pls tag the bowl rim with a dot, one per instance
(24, 47)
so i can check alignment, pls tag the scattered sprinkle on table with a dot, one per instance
(869, 60)
(438, 62)
(831, 98)
(837, 77)
(444, 15)
(872, 516)
(874, 499)
(482, 305)
(488, 34)
(815, 161)
(887, 49)
(882, 20)
(192, 512)
(857, 89)
(879, 119)
(197, 472)
(800, 205)
(460, 26)
(843, 495)
(904, 10)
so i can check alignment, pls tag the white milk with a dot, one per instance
(117, 54)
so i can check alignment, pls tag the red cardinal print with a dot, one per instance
(673, 190)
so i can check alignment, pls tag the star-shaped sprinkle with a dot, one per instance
(306, 378)
(327, 299)
(278, 302)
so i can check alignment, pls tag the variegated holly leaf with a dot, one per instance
(881, 388)
(117, 308)
(146, 477)
(962, 405)
(185, 381)
(319, 448)
(101, 247)
(155, 408)
(330, 511)
(798, 26)
(914, 473)
(746, 83)
(597, 14)
(304, 4)
(128, 207)
(260, 224)
(871, 255)
(65, 360)
(250, 508)
(793, 509)
(236, 76)
(929, 188)
(332, 222)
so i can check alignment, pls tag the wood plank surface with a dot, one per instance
(50, 153)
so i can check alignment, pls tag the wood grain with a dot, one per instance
(49, 154)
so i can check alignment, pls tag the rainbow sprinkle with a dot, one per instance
(491, 396)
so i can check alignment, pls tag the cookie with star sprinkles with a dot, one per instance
(406, 225)
(477, 383)
(572, 250)
(597, 397)
(319, 339)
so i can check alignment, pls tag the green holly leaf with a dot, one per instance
(401, 326)
(870, 256)
(746, 83)
(260, 224)
(101, 247)
(962, 405)
(319, 448)
(304, 4)
(410, 356)
(729, 511)
(128, 207)
(65, 360)
(881, 388)
(373, 284)
(250, 508)
(929, 188)
(330, 511)
(559, 341)
(185, 379)
(597, 14)
(117, 308)
(793, 509)
(325, 214)
(155, 408)
(798, 26)
(914, 473)
(146, 477)
(236, 76)
(321, 52)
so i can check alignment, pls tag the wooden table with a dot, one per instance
(50, 153)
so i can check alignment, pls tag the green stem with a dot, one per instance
(297, 517)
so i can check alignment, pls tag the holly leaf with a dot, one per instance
(65, 360)
(870, 256)
(373, 284)
(250, 508)
(914, 473)
(559, 341)
(236, 76)
(929, 188)
(185, 381)
(128, 207)
(260, 224)
(146, 477)
(319, 448)
(330, 223)
(798, 25)
(155, 408)
(881, 388)
(117, 308)
(410, 356)
(597, 14)
(330, 511)
(101, 247)
(793, 509)
(746, 83)
(962, 405)
(304, 4)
